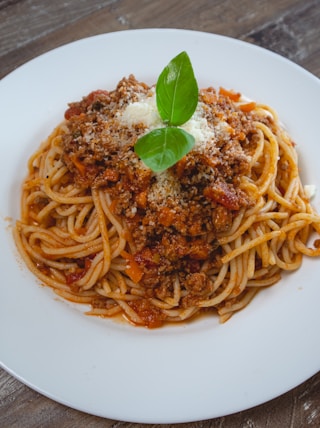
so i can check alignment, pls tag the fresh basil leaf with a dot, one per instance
(177, 91)
(163, 147)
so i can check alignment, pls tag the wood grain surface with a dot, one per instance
(31, 27)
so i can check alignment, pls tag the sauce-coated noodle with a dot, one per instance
(102, 229)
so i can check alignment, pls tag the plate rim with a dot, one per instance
(120, 330)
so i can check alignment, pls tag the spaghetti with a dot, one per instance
(102, 229)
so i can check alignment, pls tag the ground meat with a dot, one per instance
(198, 284)
(174, 217)
(151, 316)
(96, 141)
(221, 219)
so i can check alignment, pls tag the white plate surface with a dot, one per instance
(174, 374)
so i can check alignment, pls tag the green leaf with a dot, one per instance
(162, 148)
(177, 98)
(177, 91)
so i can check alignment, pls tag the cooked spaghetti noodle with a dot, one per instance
(102, 229)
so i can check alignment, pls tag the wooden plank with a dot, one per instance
(31, 27)
(220, 17)
(22, 22)
(227, 17)
(84, 25)
(293, 35)
(296, 409)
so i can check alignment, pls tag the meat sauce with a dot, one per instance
(173, 218)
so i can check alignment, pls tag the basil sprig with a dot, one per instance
(177, 91)
(163, 147)
(176, 98)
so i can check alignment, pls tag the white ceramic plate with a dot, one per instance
(174, 374)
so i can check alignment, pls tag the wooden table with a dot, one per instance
(31, 27)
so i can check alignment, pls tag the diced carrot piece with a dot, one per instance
(80, 167)
(180, 166)
(113, 205)
(166, 216)
(247, 107)
(133, 270)
(242, 136)
(126, 255)
(141, 199)
(234, 96)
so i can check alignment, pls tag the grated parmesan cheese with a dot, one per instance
(165, 185)
(198, 127)
(310, 190)
(145, 111)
